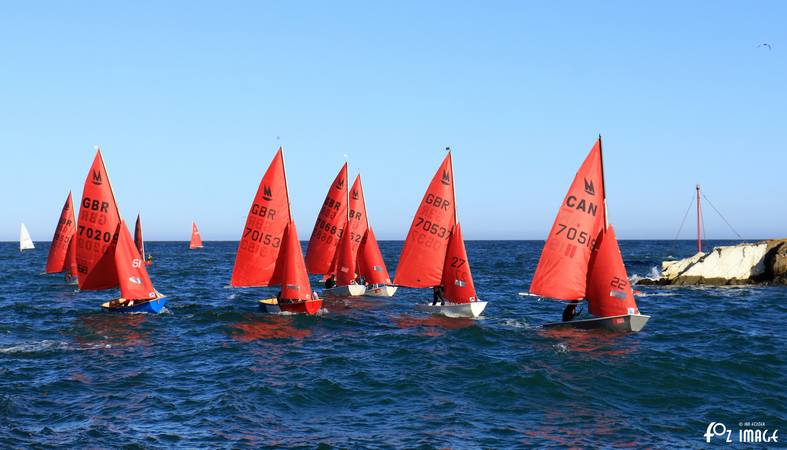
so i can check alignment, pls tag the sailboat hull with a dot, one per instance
(272, 306)
(623, 323)
(350, 290)
(151, 306)
(380, 290)
(458, 310)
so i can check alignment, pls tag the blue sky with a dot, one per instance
(190, 100)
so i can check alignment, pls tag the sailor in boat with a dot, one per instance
(570, 313)
(437, 295)
(330, 282)
(359, 279)
(149, 258)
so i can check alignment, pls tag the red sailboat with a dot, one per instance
(344, 267)
(581, 258)
(324, 241)
(137, 293)
(269, 252)
(140, 242)
(370, 263)
(96, 232)
(196, 240)
(62, 257)
(434, 253)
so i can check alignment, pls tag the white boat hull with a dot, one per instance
(380, 290)
(351, 290)
(458, 310)
(622, 323)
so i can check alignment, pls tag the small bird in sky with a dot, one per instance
(765, 44)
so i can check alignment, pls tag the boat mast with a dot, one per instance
(453, 184)
(699, 221)
(286, 189)
(603, 182)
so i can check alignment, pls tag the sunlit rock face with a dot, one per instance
(762, 262)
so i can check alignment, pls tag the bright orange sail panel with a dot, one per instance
(261, 241)
(133, 278)
(71, 258)
(370, 261)
(96, 230)
(357, 219)
(457, 280)
(562, 269)
(609, 290)
(196, 240)
(328, 228)
(423, 254)
(57, 259)
(291, 268)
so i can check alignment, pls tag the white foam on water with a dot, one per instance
(34, 347)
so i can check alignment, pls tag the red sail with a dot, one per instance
(370, 261)
(196, 240)
(609, 291)
(330, 222)
(291, 268)
(133, 278)
(71, 258)
(57, 260)
(457, 280)
(562, 269)
(260, 243)
(96, 230)
(345, 261)
(138, 238)
(423, 254)
(357, 217)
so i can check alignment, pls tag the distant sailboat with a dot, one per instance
(137, 293)
(140, 242)
(269, 252)
(434, 253)
(371, 265)
(581, 258)
(62, 257)
(196, 240)
(97, 227)
(25, 242)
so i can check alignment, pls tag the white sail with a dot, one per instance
(25, 242)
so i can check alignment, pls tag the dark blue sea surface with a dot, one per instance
(214, 372)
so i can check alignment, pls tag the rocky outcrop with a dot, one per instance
(762, 262)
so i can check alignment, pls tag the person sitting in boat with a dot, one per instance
(570, 313)
(359, 279)
(149, 257)
(437, 295)
(330, 282)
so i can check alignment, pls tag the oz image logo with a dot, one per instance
(754, 435)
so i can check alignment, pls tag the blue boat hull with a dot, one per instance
(151, 307)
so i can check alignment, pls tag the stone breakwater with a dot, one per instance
(763, 262)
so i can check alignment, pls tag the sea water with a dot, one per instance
(212, 371)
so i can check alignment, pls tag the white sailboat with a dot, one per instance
(25, 242)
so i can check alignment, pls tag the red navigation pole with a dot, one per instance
(699, 219)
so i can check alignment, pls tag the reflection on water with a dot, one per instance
(271, 326)
(432, 325)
